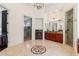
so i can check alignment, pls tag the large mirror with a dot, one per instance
(54, 26)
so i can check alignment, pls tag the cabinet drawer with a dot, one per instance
(57, 37)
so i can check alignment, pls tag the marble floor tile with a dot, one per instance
(52, 49)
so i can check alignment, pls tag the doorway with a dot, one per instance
(3, 28)
(39, 29)
(69, 27)
(27, 28)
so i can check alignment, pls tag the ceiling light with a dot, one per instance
(38, 5)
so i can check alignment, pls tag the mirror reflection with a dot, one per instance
(54, 26)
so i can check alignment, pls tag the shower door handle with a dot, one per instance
(67, 29)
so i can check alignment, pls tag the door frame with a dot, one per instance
(40, 18)
(66, 26)
(31, 24)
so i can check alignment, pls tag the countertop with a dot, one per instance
(53, 32)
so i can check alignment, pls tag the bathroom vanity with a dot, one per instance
(54, 31)
(54, 36)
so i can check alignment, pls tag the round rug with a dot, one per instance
(38, 49)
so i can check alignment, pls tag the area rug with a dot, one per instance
(38, 49)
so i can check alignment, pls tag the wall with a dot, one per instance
(16, 14)
(39, 23)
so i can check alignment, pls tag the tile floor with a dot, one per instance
(52, 49)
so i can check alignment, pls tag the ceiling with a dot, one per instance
(54, 6)
(50, 9)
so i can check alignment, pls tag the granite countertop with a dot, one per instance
(53, 32)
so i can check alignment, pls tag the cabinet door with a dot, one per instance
(0, 41)
(46, 35)
(53, 36)
(59, 37)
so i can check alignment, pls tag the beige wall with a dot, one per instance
(16, 14)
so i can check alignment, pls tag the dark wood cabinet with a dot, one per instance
(54, 36)
(59, 37)
(0, 41)
(38, 34)
(78, 46)
(49, 36)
